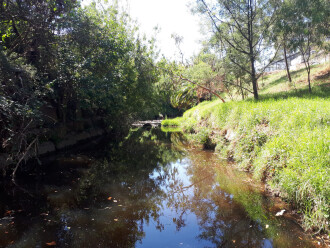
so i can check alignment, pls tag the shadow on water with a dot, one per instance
(150, 190)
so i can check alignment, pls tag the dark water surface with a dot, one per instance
(149, 191)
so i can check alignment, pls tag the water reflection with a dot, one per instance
(150, 190)
(230, 208)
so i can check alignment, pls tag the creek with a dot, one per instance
(149, 190)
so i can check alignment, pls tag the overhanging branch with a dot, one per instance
(203, 87)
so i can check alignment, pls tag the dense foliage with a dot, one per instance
(61, 63)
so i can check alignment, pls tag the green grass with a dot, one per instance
(284, 139)
(278, 82)
(171, 122)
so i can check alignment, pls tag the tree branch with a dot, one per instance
(203, 87)
(241, 87)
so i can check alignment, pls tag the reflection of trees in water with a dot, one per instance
(230, 211)
(80, 214)
(126, 178)
(84, 217)
(178, 141)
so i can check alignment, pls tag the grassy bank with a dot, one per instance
(283, 139)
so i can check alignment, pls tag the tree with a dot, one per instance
(235, 79)
(178, 41)
(308, 27)
(243, 26)
(28, 31)
(281, 28)
(77, 62)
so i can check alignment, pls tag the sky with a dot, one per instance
(171, 16)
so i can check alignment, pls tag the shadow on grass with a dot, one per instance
(284, 78)
(318, 91)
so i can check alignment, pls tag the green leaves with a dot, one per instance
(76, 60)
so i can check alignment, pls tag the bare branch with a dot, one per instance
(241, 87)
(270, 62)
(203, 87)
(23, 157)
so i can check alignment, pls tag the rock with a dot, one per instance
(83, 136)
(70, 141)
(60, 131)
(100, 131)
(96, 132)
(230, 135)
(46, 147)
(76, 125)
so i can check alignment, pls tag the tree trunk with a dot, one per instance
(308, 69)
(254, 79)
(306, 57)
(286, 61)
(309, 79)
(240, 84)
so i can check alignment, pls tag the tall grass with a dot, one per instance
(284, 140)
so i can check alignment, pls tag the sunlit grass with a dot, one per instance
(278, 81)
(284, 138)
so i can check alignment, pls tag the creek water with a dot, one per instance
(150, 190)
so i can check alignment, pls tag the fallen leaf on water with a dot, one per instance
(109, 198)
(53, 243)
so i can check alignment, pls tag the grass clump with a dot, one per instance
(171, 122)
(283, 139)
